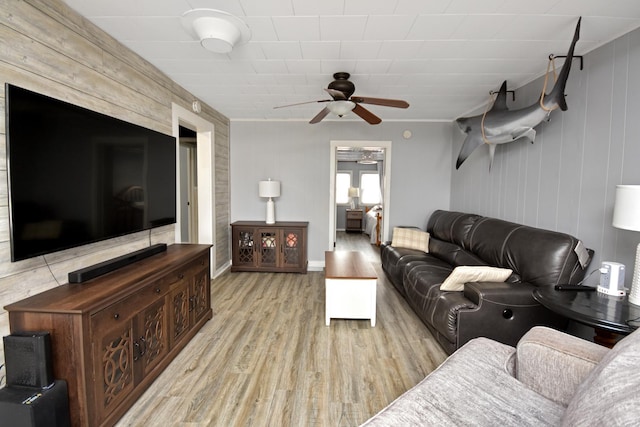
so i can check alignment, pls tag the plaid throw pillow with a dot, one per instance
(411, 238)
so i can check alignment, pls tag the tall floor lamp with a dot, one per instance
(626, 215)
(269, 189)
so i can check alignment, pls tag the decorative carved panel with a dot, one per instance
(117, 363)
(180, 307)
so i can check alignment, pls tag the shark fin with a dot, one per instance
(470, 144)
(526, 134)
(463, 124)
(492, 152)
(500, 104)
(557, 93)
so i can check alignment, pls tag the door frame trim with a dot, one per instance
(333, 165)
(205, 153)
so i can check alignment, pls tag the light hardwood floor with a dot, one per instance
(267, 358)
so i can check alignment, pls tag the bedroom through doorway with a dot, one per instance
(360, 199)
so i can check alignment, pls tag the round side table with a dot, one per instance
(610, 316)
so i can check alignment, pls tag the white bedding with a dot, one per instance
(370, 223)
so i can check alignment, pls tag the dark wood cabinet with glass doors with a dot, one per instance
(279, 247)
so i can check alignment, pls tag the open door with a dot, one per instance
(335, 146)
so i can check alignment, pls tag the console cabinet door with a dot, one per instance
(200, 298)
(268, 247)
(113, 358)
(293, 248)
(179, 313)
(151, 342)
(244, 249)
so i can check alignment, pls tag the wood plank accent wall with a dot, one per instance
(48, 48)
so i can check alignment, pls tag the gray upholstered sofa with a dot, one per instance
(503, 311)
(550, 379)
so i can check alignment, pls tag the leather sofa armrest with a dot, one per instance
(500, 292)
(504, 312)
(554, 363)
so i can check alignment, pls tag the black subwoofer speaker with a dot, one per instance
(27, 358)
(28, 407)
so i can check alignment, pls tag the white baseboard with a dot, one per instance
(315, 265)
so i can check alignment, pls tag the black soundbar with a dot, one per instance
(105, 267)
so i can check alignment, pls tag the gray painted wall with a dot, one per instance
(298, 154)
(566, 180)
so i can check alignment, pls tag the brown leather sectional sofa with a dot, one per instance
(502, 311)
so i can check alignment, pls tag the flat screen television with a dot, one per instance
(77, 176)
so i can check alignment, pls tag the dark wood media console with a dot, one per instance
(113, 335)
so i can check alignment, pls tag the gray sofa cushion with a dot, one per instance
(611, 393)
(554, 364)
(473, 387)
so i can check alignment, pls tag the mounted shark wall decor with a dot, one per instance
(500, 126)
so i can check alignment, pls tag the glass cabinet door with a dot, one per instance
(244, 249)
(293, 242)
(268, 250)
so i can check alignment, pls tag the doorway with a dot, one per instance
(360, 146)
(188, 185)
(202, 218)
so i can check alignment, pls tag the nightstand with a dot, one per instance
(354, 221)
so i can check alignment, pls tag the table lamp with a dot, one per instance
(626, 215)
(269, 189)
(353, 193)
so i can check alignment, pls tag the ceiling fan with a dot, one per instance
(343, 101)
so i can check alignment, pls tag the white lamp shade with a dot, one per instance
(626, 211)
(354, 192)
(269, 188)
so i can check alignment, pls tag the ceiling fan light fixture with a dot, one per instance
(218, 31)
(367, 159)
(340, 108)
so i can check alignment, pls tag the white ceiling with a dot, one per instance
(442, 56)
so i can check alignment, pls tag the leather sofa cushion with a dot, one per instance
(538, 256)
(436, 308)
(453, 254)
(394, 259)
(451, 226)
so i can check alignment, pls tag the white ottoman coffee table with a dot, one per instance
(350, 286)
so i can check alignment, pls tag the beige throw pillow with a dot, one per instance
(471, 273)
(411, 238)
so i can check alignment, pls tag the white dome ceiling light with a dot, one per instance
(217, 31)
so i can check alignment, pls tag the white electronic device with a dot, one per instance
(612, 279)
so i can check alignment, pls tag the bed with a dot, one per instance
(373, 223)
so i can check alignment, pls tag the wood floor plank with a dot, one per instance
(268, 359)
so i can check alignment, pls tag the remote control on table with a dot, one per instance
(574, 288)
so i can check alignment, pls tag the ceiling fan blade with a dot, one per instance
(398, 103)
(302, 103)
(367, 115)
(336, 94)
(321, 115)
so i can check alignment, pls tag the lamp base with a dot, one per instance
(634, 294)
(271, 212)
